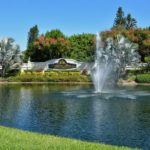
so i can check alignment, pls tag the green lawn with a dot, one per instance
(14, 139)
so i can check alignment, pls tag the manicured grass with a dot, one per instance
(14, 139)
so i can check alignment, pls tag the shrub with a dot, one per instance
(143, 78)
(131, 78)
(12, 72)
(52, 76)
(147, 59)
(52, 73)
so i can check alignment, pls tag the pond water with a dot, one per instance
(118, 117)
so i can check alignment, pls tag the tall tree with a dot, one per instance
(32, 35)
(131, 23)
(10, 56)
(138, 36)
(120, 20)
(45, 48)
(82, 47)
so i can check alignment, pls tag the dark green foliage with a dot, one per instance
(55, 45)
(120, 21)
(37, 55)
(130, 22)
(82, 47)
(54, 34)
(143, 78)
(147, 59)
(51, 76)
(12, 72)
(32, 35)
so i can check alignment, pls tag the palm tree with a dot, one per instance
(10, 55)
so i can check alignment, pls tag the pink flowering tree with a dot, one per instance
(45, 48)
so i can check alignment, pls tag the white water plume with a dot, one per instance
(112, 56)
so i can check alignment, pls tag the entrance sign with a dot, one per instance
(62, 64)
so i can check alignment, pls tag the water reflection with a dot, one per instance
(114, 117)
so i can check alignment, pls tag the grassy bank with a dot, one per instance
(13, 139)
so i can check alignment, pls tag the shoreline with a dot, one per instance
(131, 83)
(124, 83)
(7, 82)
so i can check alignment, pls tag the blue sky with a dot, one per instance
(70, 16)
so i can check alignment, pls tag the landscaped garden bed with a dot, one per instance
(51, 76)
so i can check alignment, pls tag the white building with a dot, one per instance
(63, 64)
(54, 64)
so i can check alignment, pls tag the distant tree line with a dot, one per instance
(54, 44)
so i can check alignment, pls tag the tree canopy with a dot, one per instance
(32, 35)
(124, 22)
(54, 44)
(56, 33)
(120, 20)
(131, 23)
(45, 48)
(82, 47)
(139, 36)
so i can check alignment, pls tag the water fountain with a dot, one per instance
(112, 56)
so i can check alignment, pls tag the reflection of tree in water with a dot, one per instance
(51, 87)
(9, 102)
(49, 113)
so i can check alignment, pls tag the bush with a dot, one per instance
(52, 73)
(143, 78)
(147, 59)
(12, 72)
(130, 78)
(51, 76)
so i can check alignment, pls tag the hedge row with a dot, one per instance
(143, 78)
(51, 73)
(35, 78)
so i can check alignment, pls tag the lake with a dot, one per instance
(119, 117)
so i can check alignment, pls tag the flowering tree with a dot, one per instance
(139, 36)
(9, 54)
(45, 48)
